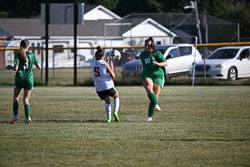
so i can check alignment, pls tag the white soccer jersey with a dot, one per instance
(101, 77)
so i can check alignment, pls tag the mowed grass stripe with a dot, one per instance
(199, 126)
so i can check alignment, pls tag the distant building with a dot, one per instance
(213, 30)
(105, 28)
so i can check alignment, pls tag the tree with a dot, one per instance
(20, 9)
(31, 8)
(110, 4)
(237, 11)
(125, 7)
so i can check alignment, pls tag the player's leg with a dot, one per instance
(116, 106)
(116, 102)
(158, 85)
(108, 108)
(148, 85)
(151, 110)
(26, 97)
(157, 89)
(15, 105)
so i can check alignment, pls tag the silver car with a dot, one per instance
(226, 63)
(180, 58)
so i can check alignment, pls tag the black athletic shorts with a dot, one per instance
(110, 92)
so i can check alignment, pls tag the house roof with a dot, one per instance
(94, 22)
(21, 27)
(4, 33)
(173, 18)
(179, 23)
(165, 22)
(149, 27)
(99, 13)
(33, 27)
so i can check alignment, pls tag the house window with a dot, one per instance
(158, 42)
(58, 50)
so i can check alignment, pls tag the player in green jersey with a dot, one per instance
(23, 65)
(152, 74)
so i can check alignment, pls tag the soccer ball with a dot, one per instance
(114, 55)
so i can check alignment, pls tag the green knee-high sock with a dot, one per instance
(27, 110)
(153, 99)
(15, 108)
(151, 110)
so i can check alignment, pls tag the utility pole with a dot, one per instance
(197, 21)
(47, 20)
(75, 41)
(193, 5)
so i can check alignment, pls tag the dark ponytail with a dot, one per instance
(152, 42)
(99, 53)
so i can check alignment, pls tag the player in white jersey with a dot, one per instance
(103, 75)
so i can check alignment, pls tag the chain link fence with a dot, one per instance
(61, 57)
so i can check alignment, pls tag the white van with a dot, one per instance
(231, 62)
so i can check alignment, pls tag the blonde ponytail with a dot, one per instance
(23, 57)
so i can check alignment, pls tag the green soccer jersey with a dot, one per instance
(24, 75)
(149, 68)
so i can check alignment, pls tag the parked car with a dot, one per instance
(226, 63)
(180, 58)
(127, 55)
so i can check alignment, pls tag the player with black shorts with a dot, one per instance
(103, 74)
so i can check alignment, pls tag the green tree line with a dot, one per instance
(237, 11)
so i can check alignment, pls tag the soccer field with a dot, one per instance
(198, 126)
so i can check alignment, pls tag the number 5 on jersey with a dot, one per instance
(97, 71)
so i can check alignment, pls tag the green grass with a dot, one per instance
(199, 126)
(65, 77)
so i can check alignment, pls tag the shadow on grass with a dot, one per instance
(205, 140)
(58, 121)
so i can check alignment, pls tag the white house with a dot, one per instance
(147, 28)
(101, 27)
(99, 13)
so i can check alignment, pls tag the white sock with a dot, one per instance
(15, 117)
(116, 104)
(149, 119)
(108, 110)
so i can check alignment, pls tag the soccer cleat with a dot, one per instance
(149, 119)
(28, 121)
(109, 120)
(13, 121)
(116, 116)
(157, 107)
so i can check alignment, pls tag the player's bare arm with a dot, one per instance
(10, 67)
(38, 66)
(161, 64)
(110, 69)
